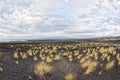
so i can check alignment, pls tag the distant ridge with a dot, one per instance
(54, 39)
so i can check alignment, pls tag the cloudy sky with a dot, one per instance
(42, 19)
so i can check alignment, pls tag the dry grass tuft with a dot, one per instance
(57, 57)
(69, 77)
(91, 67)
(35, 58)
(1, 69)
(23, 55)
(42, 68)
(110, 65)
(15, 55)
(29, 52)
(86, 63)
(1, 54)
(49, 59)
(16, 62)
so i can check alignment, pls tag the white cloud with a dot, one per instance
(54, 18)
(66, 0)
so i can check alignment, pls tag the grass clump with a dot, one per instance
(1, 54)
(69, 77)
(57, 57)
(91, 67)
(42, 68)
(15, 55)
(110, 65)
(1, 69)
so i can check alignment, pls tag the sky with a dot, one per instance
(44, 19)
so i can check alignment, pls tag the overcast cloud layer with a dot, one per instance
(32, 19)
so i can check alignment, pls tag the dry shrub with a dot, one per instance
(91, 67)
(42, 68)
(15, 55)
(69, 77)
(1, 69)
(110, 65)
(86, 63)
(57, 57)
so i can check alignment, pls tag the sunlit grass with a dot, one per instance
(110, 65)
(42, 68)
(86, 63)
(23, 55)
(1, 69)
(82, 60)
(49, 59)
(15, 55)
(16, 62)
(69, 77)
(91, 67)
(35, 58)
(29, 52)
(1, 54)
(57, 57)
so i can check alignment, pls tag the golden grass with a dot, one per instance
(15, 55)
(65, 54)
(114, 53)
(91, 67)
(69, 77)
(76, 54)
(29, 52)
(79, 56)
(42, 68)
(70, 57)
(108, 58)
(35, 58)
(86, 63)
(16, 62)
(118, 58)
(49, 59)
(110, 65)
(82, 60)
(1, 54)
(57, 57)
(23, 55)
(1, 69)
(43, 58)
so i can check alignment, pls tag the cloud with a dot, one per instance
(55, 18)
